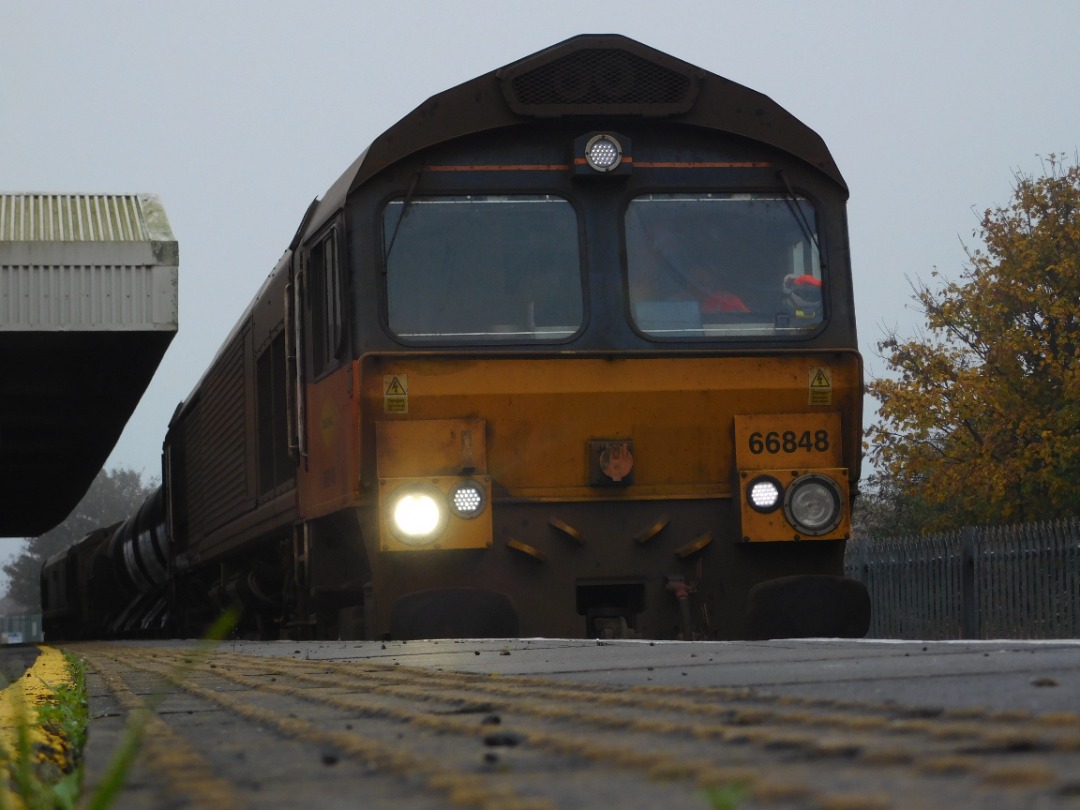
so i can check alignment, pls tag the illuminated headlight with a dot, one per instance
(813, 504)
(467, 499)
(763, 493)
(603, 153)
(418, 514)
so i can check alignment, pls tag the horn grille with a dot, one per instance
(615, 79)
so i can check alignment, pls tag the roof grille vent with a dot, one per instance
(604, 80)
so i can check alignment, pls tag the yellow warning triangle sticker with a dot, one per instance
(394, 388)
(820, 380)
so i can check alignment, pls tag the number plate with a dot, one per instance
(771, 441)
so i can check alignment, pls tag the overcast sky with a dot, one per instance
(237, 114)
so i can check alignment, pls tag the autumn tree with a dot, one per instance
(112, 497)
(883, 509)
(980, 417)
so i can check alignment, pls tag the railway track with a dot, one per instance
(227, 729)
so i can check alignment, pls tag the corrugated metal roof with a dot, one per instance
(74, 218)
(86, 262)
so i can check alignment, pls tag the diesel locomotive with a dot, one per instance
(568, 351)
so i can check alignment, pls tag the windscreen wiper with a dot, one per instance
(406, 205)
(792, 201)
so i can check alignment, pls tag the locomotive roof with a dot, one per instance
(590, 74)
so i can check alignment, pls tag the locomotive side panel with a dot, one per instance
(215, 481)
(231, 479)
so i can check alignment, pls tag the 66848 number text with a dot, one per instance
(789, 441)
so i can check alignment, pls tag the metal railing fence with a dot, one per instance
(22, 628)
(1018, 582)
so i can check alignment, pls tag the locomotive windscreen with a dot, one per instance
(718, 265)
(498, 268)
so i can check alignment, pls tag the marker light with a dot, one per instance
(813, 504)
(467, 499)
(603, 153)
(418, 514)
(763, 493)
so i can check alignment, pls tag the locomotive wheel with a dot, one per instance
(808, 606)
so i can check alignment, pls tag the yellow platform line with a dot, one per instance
(18, 702)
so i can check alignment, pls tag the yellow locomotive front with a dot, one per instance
(582, 370)
(627, 496)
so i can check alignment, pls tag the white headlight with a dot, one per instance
(418, 514)
(467, 499)
(813, 504)
(763, 493)
(603, 153)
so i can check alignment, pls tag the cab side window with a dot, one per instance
(324, 288)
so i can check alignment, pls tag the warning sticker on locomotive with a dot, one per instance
(820, 385)
(768, 441)
(396, 393)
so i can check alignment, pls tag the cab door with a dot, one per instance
(327, 414)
